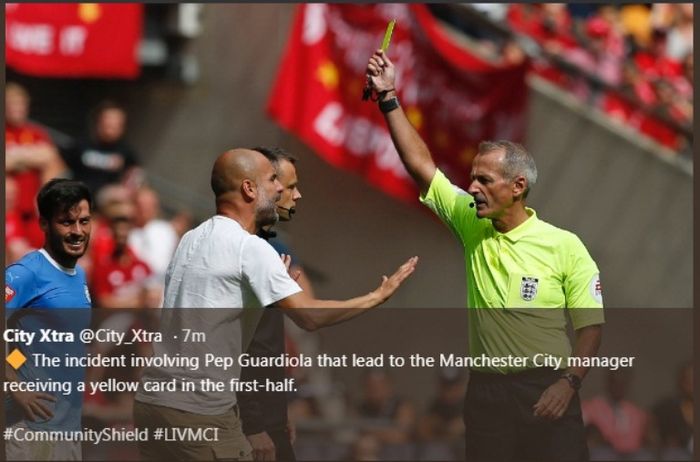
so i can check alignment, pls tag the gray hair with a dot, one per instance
(517, 161)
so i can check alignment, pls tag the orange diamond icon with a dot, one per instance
(16, 359)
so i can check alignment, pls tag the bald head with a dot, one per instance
(243, 179)
(233, 167)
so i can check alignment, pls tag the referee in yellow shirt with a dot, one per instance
(523, 403)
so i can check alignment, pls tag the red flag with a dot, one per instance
(73, 39)
(451, 96)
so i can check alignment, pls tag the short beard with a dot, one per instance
(266, 215)
(56, 243)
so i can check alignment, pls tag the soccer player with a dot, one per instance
(222, 265)
(46, 289)
(515, 261)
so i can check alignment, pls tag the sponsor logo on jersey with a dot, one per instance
(9, 293)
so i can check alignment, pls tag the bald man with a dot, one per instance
(222, 264)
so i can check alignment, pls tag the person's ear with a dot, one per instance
(44, 224)
(519, 186)
(249, 189)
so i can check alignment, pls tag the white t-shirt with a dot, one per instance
(219, 266)
(154, 244)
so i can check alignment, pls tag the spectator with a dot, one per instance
(441, 429)
(601, 53)
(674, 418)
(680, 33)
(153, 239)
(394, 416)
(443, 421)
(102, 240)
(623, 426)
(31, 159)
(682, 82)
(366, 447)
(636, 23)
(551, 27)
(549, 24)
(106, 157)
(119, 278)
(16, 243)
(182, 222)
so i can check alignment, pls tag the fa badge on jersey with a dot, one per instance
(528, 288)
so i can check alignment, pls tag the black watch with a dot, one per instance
(573, 379)
(389, 105)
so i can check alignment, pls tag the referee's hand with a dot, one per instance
(554, 401)
(381, 72)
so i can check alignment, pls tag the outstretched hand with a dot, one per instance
(381, 72)
(391, 283)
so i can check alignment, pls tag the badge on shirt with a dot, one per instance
(528, 288)
(9, 293)
(596, 289)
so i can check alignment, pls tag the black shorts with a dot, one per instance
(500, 424)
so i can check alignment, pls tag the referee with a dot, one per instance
(264, 414)
(515, 261)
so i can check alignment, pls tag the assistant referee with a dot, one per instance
(515, 261)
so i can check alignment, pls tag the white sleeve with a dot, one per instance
(264, 271)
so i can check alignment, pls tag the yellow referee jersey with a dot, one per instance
(535, 265)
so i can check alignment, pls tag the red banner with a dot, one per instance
(73, 39)
(451, 96)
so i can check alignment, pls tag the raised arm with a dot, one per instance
(40, 155)
(310, 313)
(413, 151)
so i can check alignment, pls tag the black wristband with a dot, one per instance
(389, 105)
(573, 379)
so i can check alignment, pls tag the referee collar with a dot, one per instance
(515, 234)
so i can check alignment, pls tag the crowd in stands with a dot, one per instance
(638, 57)
(620, 429)
(130, 245)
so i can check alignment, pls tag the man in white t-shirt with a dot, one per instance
(224, 266)
(153, 239)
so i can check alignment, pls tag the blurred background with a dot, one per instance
(138, 100)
